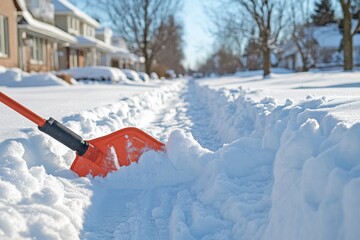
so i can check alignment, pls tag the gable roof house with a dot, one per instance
(87, 50)
(329, 38)
(39, 39)
(8, 33)
(325, 49)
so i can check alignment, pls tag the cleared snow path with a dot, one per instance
(162, 199)
(120, 214)
(185, 110)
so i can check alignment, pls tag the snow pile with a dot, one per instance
(33, 202)
(2, 69)
(133, 111)
(315, 156)
(252, 187)
(278, 169)
(132, 75)
(99, 73)
(15, 77)
(39, 193)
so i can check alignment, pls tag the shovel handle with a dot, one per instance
(51, 127)
(11, 103)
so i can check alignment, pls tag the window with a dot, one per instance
(4, 36)
(88, 31)
(74, 25)
(37, 50)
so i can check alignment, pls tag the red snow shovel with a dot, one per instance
(99, 156)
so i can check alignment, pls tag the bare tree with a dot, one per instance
(302, 32)
(355, 11)
(228, 29)
(347, 38)
(347, 42)
(141, 23)
(171, 53)
(268, 19)
(221, 62)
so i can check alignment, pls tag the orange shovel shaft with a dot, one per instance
(11, 103)
(52, 128)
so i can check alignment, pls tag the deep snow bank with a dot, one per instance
(14, 77)
(288, 171)
(40, 197)
(272, 180)
(316, 166)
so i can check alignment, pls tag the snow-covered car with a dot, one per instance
(144, 76)
(96, 73)
(154, 76)
(132, 75)
(170, 74)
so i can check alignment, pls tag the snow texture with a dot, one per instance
(15, 77)
(245, 158)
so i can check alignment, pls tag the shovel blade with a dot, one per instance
(120, 148)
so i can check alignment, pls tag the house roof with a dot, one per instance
(289, 48)
(36, 26)
(65, 7)
(120, 53)
(329, 36)
(83, 42)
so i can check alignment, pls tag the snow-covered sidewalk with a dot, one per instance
(246, 158)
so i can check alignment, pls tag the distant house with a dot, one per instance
(290, 57)
(123, 58)
(120, 56)
(85, 51)
(39, 39)
(47, 35)
(8, 33)
(325, 52)
(93, 46)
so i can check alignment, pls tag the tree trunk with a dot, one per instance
(303, 56)
(347, 41)
(148, 63)
(267, 62)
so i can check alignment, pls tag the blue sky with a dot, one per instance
(198, 40)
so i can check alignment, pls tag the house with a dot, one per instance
(123, 58)
(85, 51)
(39, 40)
(47, 35)
(8, 33)
(322, 49)
(93, 45)
(290, 57)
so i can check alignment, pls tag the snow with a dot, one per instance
(17, 78)
(100, 73)
(246, 158)
(40, 27)
(132, 75)
(64, 6)
(85, 41)
(329, 36)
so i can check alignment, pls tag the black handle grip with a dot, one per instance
(64, 135)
